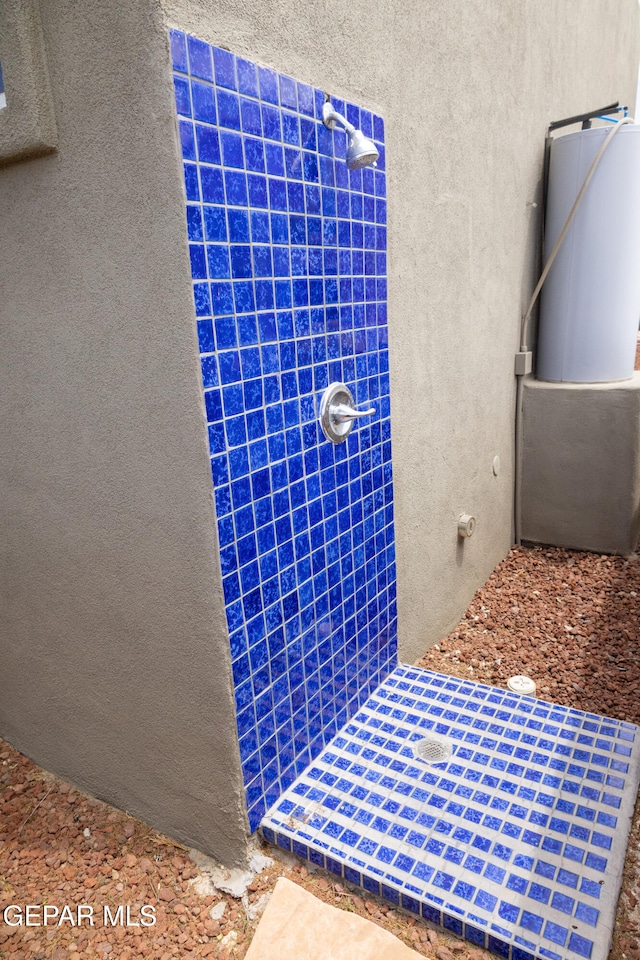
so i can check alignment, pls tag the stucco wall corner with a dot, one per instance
(27, 123)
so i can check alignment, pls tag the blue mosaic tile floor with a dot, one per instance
(517, 843)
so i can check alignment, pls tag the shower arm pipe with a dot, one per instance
(524, 326)
(330, 117)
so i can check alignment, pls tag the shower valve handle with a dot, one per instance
(343, 413)
(338, 412)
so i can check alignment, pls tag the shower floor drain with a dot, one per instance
(433, 750)
(516, 842)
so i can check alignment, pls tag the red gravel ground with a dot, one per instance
(568, 620)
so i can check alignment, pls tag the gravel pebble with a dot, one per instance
(217, 911)
(443, 953)
(575, 633)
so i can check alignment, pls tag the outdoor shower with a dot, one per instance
(496, 816)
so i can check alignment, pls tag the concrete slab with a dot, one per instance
(296, 924)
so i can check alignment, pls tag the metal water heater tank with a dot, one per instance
(590, 303)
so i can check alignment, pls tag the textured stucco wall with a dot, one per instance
(114, 654)
(466, 91)
(581, 465)
(114, 650)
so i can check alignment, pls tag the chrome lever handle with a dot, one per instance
(338, 413)
(342, 413)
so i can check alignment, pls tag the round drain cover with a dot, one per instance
(522, 684)
(433, 750)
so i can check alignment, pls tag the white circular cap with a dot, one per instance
(521, 684)
(466, 525)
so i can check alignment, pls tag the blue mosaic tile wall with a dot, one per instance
(288, 259)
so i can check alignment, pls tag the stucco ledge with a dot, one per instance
(581, 465)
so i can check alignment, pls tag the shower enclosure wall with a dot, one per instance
(288, 259)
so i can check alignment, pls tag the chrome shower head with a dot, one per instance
(361, 151)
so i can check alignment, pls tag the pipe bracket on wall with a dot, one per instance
(337, 412)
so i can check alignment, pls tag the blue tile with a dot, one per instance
(226, 337)
(257, 191)
(208, 144)
(213, 405)
(251, 117)
(247, 77)
(254, 154)
(212, 185)
(192, 187)
(224, 65)
(288, 92)
(264, 294)
(587, 914)
(178, 50)
(238, 221)
(240, 261)
(313, 198)
(310, 168)
(290, 128)
(201, 299)
(293, 163)
(187, 141)
(277, 194)
(295, 194)
(279, 228)
(305, 99)
(228, 110)
(198, 262)
(555, 933)
(232, 153)
(222, 298)
(271, 126)
(260, 227)
(262, 262)
(281, 266)
(200, 62)
(244, 297)
(235, 187)
(218, 261)
(216, 434)
(580, 945)
(204, 105)
(274, 159)
(205, 336)
(182, 98)
(268, 84)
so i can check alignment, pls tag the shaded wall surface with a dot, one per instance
(114, 657)
(288, 260)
